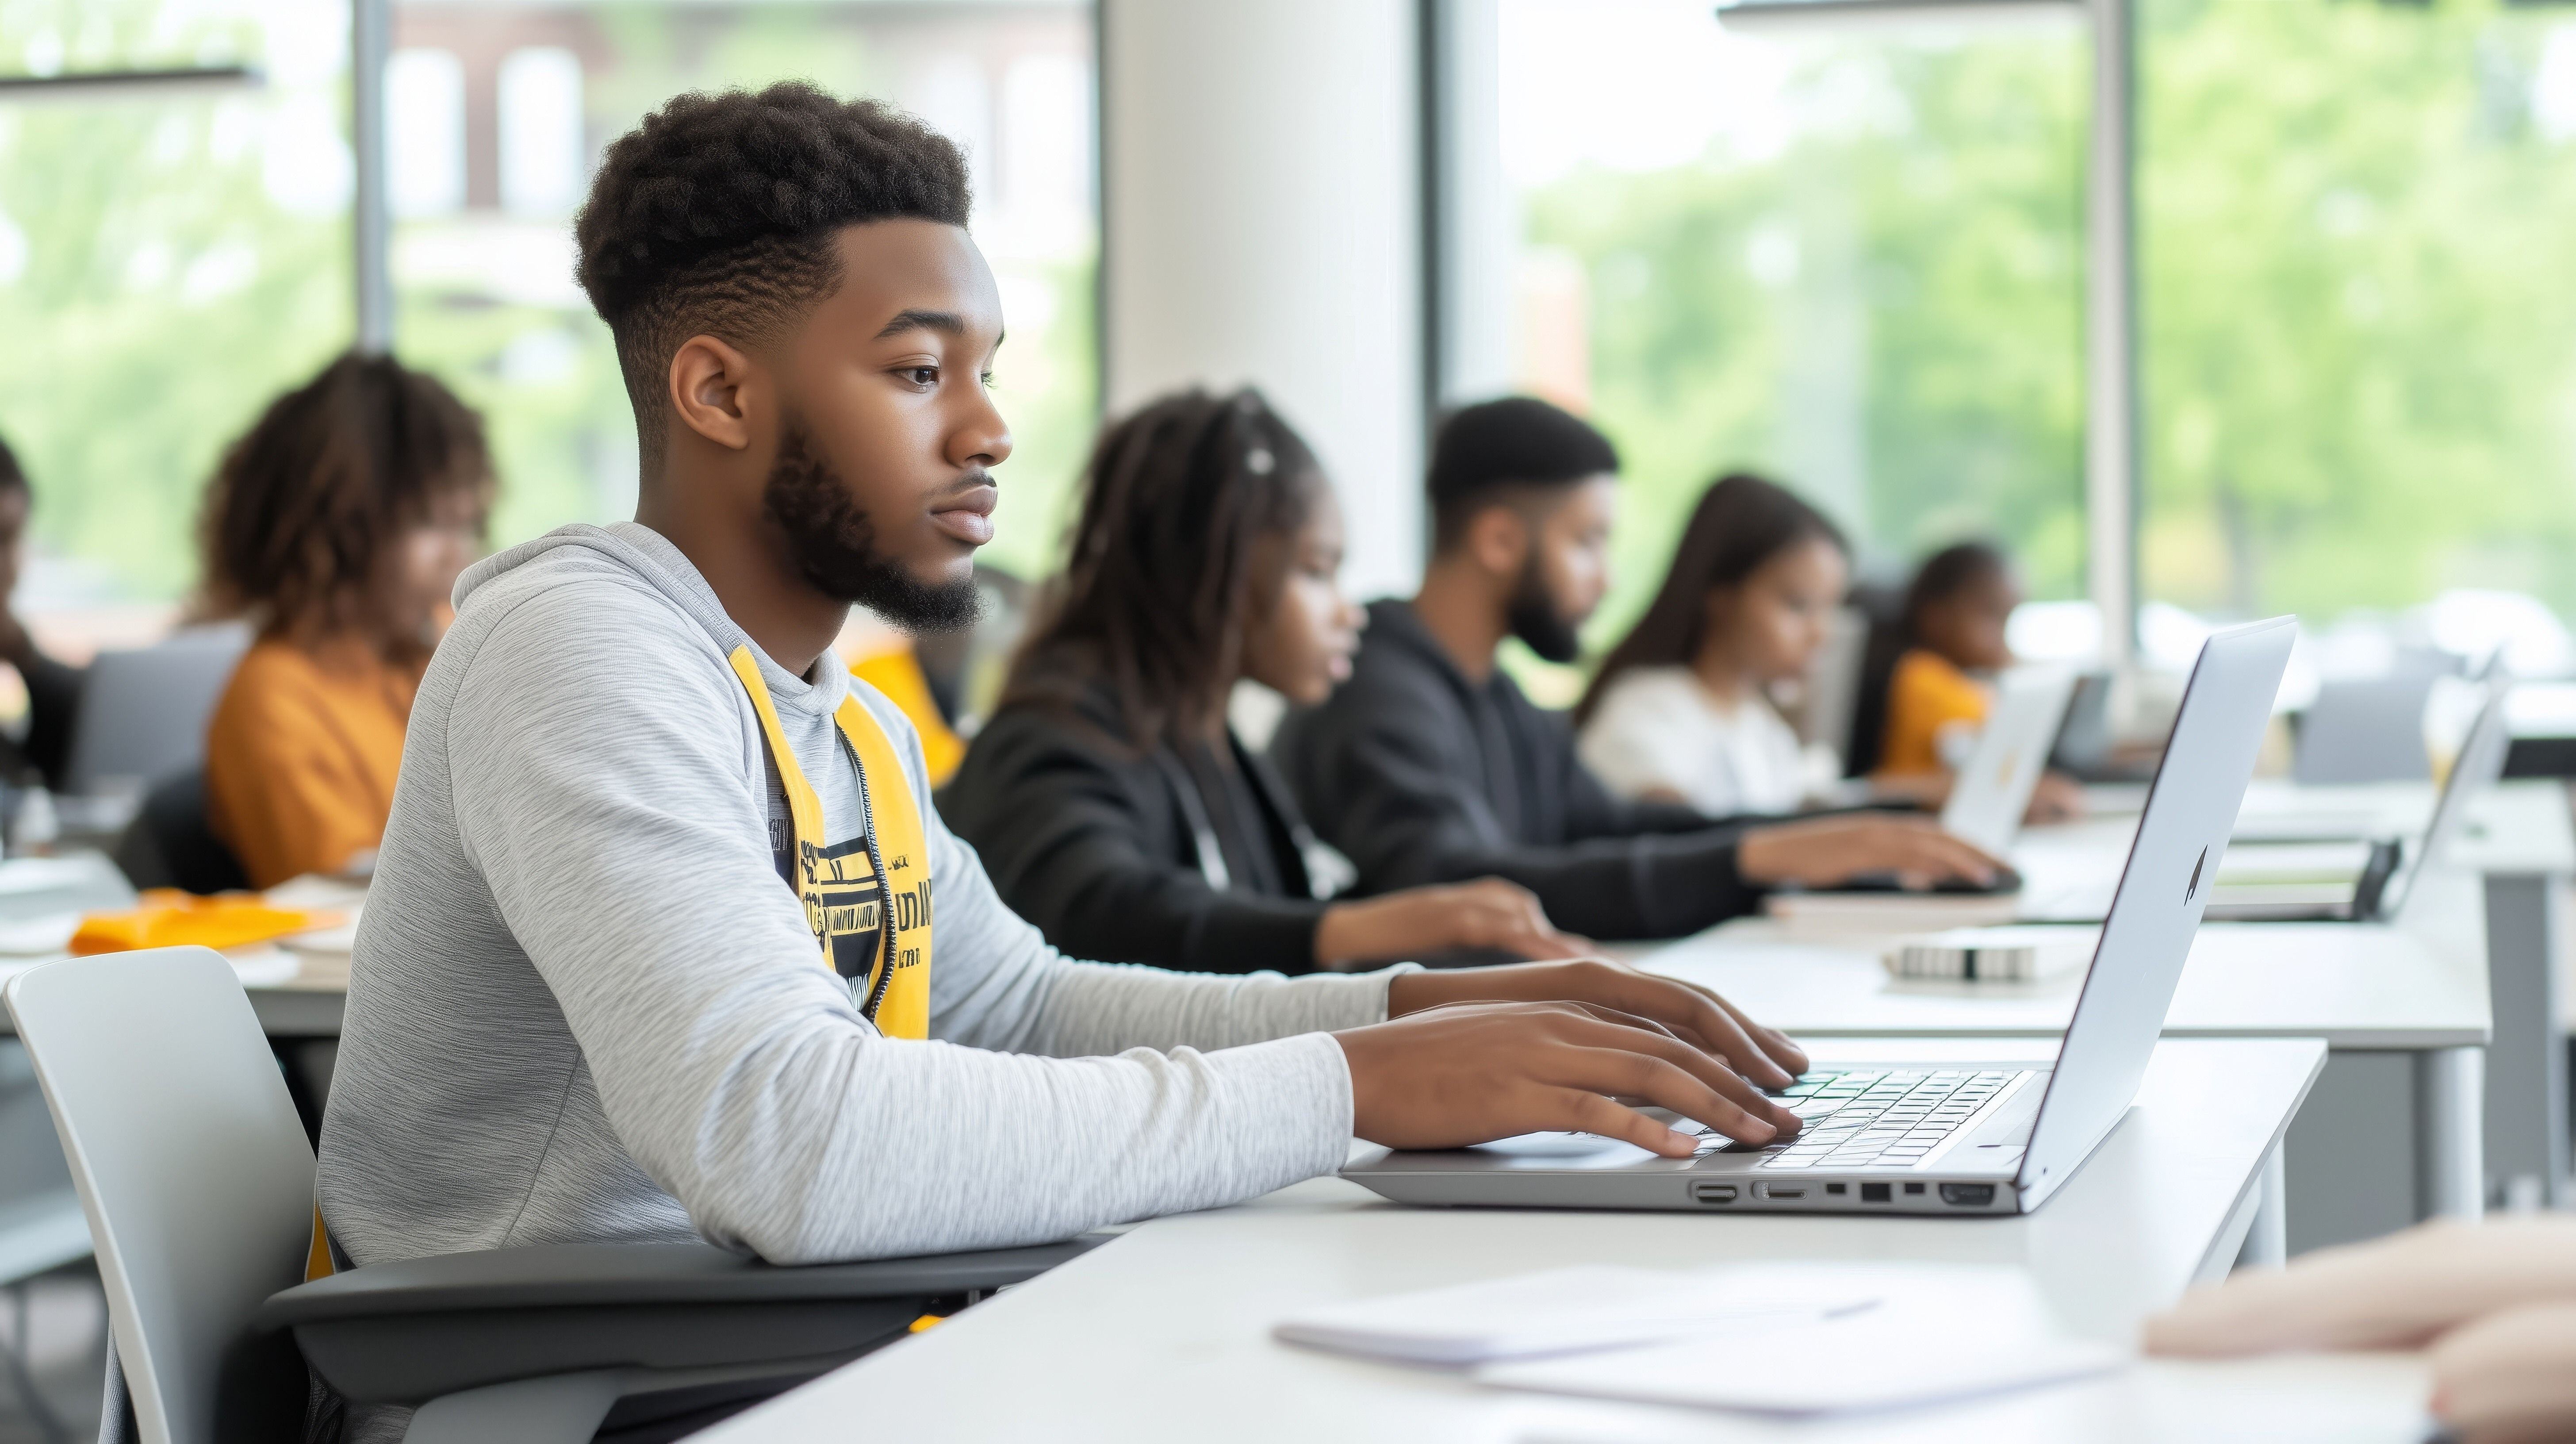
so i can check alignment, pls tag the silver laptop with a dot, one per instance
(1994, 786)
(1964, 1139)
(2282, 875)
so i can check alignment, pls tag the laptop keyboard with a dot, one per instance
(1884, 1117)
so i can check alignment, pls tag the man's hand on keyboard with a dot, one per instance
(1693, 1014)
(1447, 1076)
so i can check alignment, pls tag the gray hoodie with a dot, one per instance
(586, 1007)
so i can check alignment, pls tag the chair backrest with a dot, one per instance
(1832, 683)
(1881, 647)
(190, 1163)
(171, 844)
(143, 712)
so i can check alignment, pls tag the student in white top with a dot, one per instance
(1681, 709)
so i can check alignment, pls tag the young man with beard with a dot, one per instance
(1430, 765)
(649, 953)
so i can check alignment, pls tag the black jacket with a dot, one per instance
(1422, 776)
(1108, 849)
(53, 702)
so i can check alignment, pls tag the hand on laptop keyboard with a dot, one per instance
(1689, 1012)
(1468, 1073)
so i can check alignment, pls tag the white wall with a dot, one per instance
(1262, 225)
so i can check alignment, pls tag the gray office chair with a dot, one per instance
(2367, 730)
(143, 712)
(198, 1186)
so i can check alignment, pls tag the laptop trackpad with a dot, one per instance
(2009, 1126)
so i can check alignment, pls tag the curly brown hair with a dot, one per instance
(303, 511)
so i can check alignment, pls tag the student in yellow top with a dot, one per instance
(337, 528)
(1955, 613)
(1954, 630)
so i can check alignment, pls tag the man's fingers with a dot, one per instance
(1582, 1111)
(1694, 1014)
(1597, 1037)
(1774, 1044)
(1615, 1073)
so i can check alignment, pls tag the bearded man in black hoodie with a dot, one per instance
(1430, 765)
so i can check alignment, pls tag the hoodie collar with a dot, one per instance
(652, 558)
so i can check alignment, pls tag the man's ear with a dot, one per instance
(709, 385)
(1499, 539)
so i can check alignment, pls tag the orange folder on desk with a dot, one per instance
(170, 918)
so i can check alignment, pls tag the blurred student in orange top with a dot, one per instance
(337, 528)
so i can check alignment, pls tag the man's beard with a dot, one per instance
(1536, 620)
(835, 545)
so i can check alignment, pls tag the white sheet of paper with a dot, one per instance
(263, 965)
(1570, 1309)
(1940, 1333)
(39, 936)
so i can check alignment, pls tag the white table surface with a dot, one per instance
(2355, 985)
(1163, 1334)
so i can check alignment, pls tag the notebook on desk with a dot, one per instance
(2282, 876)
(1967, 1139)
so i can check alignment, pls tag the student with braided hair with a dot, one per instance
(1113, 805)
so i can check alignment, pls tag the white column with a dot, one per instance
(2111, 333)
(1478, 228)
(1261, 220)
(370, 219)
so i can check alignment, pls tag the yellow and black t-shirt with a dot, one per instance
(836, 880)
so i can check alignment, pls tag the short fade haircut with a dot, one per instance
(717, 217)
(1499, 451)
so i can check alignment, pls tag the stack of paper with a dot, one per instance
(2025, 954)
(1564, 1310)
(1782, 1339)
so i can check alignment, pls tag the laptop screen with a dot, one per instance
(2191, 809)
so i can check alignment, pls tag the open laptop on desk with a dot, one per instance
(1964, 1139)
(2279, 875)
(1994, 786)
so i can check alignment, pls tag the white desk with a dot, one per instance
(2521, 843)
(1163, 1334)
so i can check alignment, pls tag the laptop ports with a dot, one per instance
(1713, 1193)
(1968, 1195)
(1874, 1193)
(1779, 1190)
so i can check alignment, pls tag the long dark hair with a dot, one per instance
(1185, 505)
(307, 504)
(1741, 522)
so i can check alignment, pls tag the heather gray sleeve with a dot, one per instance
(599, 787)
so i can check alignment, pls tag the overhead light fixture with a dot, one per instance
(129, 84)
(1790, 18)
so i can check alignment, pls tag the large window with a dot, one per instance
(497, 112)
(2360, 337)
(169, 257)
(1854, 262)
(172, 256)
